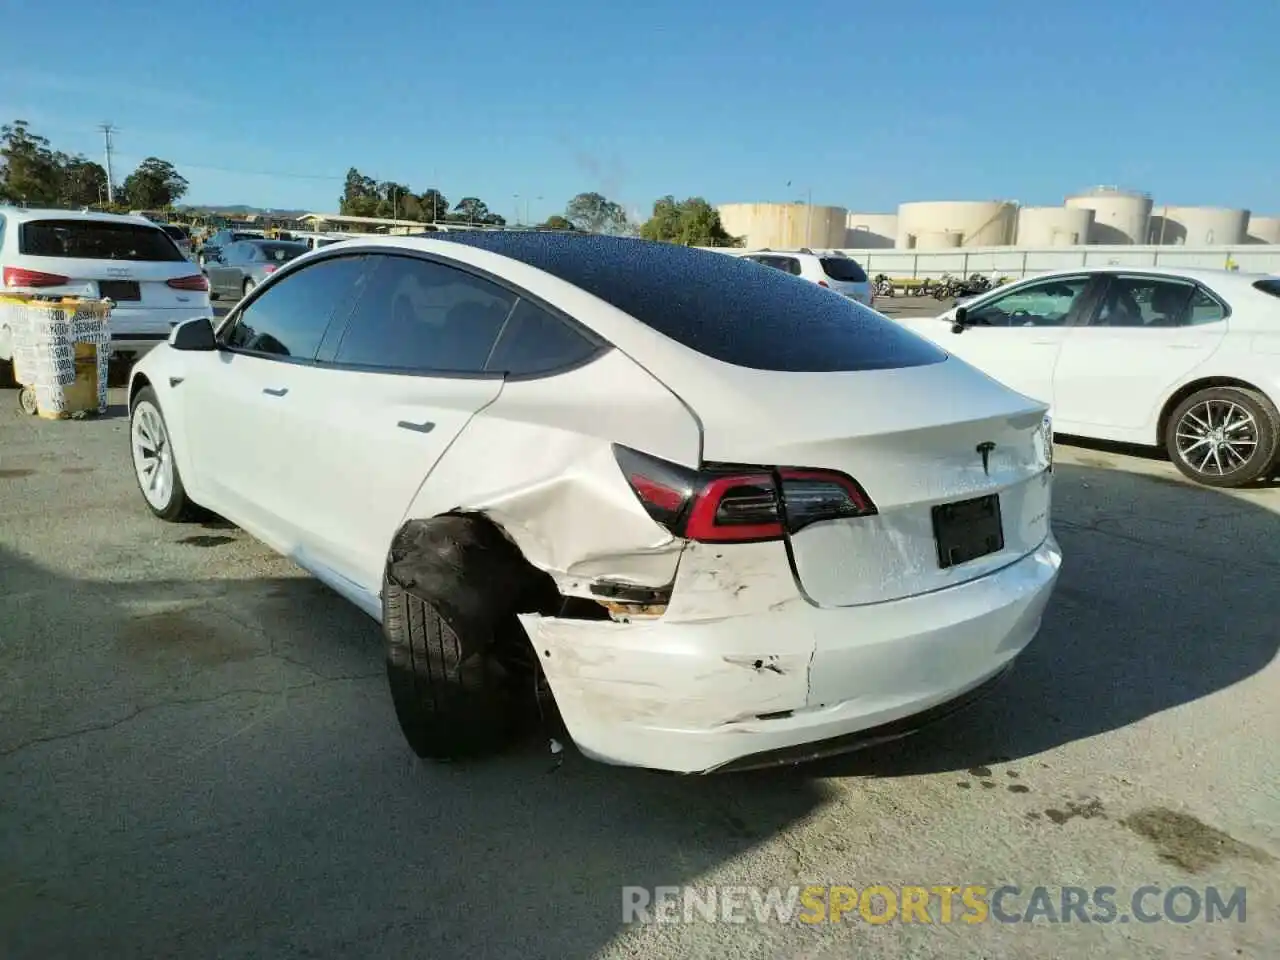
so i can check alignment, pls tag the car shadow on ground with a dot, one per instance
(1155, 455)
(1165, 596)
(195, 766)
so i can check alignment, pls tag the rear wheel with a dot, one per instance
(248, 287)
(153, 462)
(1223, 436)
(27, 401)
(462, 672)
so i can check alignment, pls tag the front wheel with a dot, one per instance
(1223, 436)
(153, 461)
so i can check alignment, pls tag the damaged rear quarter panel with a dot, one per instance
(539, 462)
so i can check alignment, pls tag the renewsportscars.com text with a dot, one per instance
(943, 904)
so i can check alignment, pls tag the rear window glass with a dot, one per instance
(178, 233)
(723, 307)
(95, 240)
(280, 252)
(843, 269)
(1270, 285)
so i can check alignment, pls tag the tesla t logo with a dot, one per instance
(984, 449)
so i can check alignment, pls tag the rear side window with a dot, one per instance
(534, 341)
(1271, 285)
(422, 316)
(1205, 308)
(178, 233)
(289, 318)
(96, 240)
(844, 270)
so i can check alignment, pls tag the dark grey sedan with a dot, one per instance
(239, 267)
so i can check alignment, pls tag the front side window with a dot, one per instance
(422, 316)
(289, 318)
(1143, 302)
(1046, 303)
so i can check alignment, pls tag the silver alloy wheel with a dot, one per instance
(1217, 437)
(152, 455)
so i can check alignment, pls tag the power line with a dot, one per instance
(255, 173)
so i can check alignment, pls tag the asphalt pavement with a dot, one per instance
(199, 758)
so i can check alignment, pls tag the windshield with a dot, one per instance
(178, 233)
(844, 270)
(96, 240)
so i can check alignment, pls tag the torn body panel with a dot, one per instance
(694, 694)
(561, 497)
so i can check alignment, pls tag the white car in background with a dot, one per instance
(126, 259)
(835, 271)
(1185, 360)
(631, 472)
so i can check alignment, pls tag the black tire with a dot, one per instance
(1265, 434)
(462, 672)
(178, 507)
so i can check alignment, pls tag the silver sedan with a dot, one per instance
(239, 267)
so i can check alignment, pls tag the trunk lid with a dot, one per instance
(913, 439)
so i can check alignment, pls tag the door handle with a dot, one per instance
(275, 393)
(425, 427)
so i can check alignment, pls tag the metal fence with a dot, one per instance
(1016, 262)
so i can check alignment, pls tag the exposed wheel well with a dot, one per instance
(1194, 387)
(136, 385)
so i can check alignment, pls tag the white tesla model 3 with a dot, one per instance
(727, 517)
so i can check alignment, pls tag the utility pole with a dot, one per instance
(107, 129)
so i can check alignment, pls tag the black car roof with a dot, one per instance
(718, 304)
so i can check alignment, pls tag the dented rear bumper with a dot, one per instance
(697, 689)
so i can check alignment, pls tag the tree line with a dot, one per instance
(692, 221)
(32, 172)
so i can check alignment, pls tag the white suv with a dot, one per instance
(127, 259)
(629, 472)
(832, 270)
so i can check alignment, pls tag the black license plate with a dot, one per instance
(119, 290)
(967, 530)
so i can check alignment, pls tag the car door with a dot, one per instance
(1016, 336)
(1145, 333)
(406, 376)
(242, 403)
(217, 266)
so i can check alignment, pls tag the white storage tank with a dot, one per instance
(1054, 226)
(871, 231)
(938, 240)
(785, 226)
(1199, 226)
(979, 223)
(1264, 229)
(1119, 216)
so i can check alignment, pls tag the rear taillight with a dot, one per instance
(739, 504)
(823, 283)
(17, 277)
(270, 268)
(197, 282)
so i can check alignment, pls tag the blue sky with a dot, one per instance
(866, 104)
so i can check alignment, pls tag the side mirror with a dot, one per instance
(193, 335)
(958, 323)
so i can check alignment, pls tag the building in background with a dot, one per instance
(943, 224)
(871, 231)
